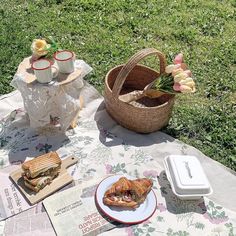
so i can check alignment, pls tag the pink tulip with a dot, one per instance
(176, 87)
(178, 59)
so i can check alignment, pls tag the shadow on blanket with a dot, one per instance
(19, 141)
(108, 126)
(176, 205)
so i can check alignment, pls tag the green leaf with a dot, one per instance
(228, 225)
(123, 165)
(199, 225)
(222, 214)
(211, 204)
(214, 213)
(151, 229)
(208, 137)
(139, 230)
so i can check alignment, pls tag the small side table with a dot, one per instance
(52, 105)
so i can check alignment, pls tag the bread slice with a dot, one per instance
(39, 183)
(42, 165)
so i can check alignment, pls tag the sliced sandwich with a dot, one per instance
(127, 193)
(39, 183)
(42, 165)
(40, 171)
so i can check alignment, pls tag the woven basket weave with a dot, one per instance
(144, 115)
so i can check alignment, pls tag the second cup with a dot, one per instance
(65, 61)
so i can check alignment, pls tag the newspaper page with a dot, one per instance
(34, 221)
(11, 200)
(76, 208)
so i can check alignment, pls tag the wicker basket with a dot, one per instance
(144, 115)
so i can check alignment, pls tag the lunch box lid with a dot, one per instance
(186, 175)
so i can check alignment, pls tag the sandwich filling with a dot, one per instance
(127, 193)
(39, 182)
(48, 170)
(126, 196)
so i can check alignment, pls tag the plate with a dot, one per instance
(133, 216)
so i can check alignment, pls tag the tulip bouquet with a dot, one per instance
(178, 79)
(43, 47)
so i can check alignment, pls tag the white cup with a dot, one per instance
(65, 61)
(43, 70)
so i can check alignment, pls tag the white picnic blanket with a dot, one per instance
(157, 144)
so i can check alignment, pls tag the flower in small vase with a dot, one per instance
(43, 47)
(39, 47)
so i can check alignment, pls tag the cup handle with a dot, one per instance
(55, 73)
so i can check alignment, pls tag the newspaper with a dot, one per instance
(34, 221)
(11, 200)
(76, 208)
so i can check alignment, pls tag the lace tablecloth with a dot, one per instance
(51, 105)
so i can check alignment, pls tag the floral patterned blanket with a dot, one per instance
(102, 153)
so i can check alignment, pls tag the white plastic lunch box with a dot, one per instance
(186, 176)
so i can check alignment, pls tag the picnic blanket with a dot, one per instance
(105, 148)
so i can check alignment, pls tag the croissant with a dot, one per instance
(127, 193)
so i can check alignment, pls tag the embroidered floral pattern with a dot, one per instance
(215, 214)
(115, 169)
(143, 229)
(170, 232)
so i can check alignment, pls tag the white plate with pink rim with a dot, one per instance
(126, 216)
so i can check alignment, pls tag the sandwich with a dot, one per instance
(42, 165)
(40, 171)
(38, 183)
(127, 193)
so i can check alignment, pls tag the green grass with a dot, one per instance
(107, 33)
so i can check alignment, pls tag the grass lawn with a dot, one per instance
(106, 33)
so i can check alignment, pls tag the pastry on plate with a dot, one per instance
(40, 171)
(127, 193)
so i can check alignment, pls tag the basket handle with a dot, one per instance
(132, 62)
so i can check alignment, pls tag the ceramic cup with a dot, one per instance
(65, 61)
(43, 70)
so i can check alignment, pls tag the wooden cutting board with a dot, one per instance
(60, 181)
